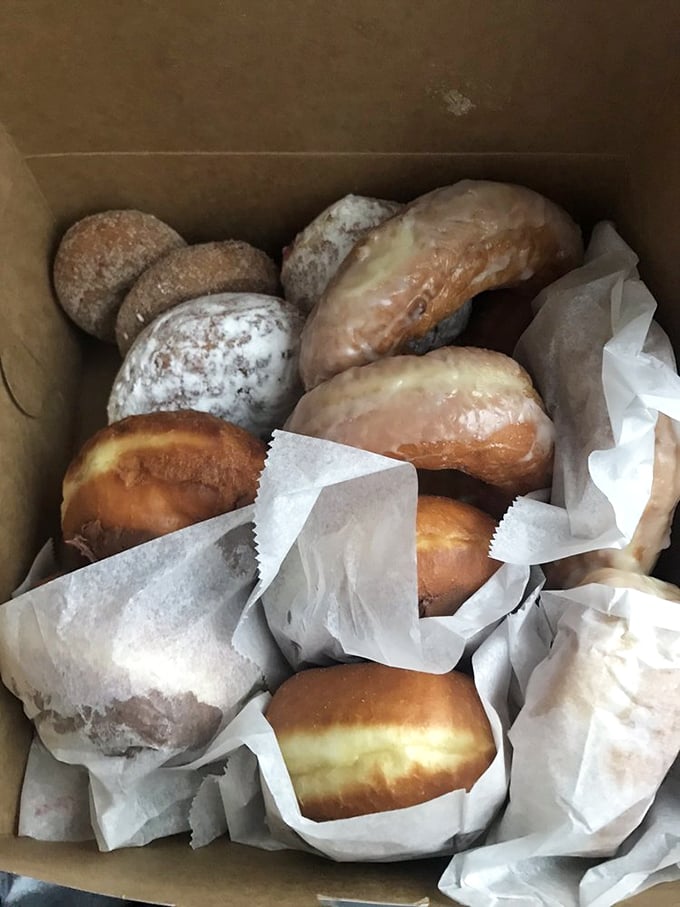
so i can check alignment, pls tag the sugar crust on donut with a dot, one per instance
(234, 355)
(316, 253)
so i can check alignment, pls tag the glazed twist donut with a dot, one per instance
(454, 408)
(422, 265)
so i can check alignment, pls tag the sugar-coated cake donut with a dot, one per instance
(234, 355)
(189, 273)
(454, 408)
(152, 474)
(452, 548)
(98, 260)
(420, 266)
(365, 738)
(318, 251)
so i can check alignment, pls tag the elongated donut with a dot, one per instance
(419, 267)
(652, 533)
(454, 408)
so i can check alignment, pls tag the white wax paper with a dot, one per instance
(598, 732)
(605, 370)
(262, 810)
(112, 660)
(55, 799)
(335, 533)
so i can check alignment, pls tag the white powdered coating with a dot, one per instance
(234, 355)
(319, 250)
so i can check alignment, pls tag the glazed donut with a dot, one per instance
(365, 738)
(622, 579)
(234, 355)
(422, 265)
(652, 532)
(452, 550)
(454, 408)
(152, 474)
(317, 252)
(99, 259)
(189, 273)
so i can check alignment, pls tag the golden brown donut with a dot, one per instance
(452, 548)
(99, 259)
(190, 273)
(454, 408)
(419, 267)
(152, 474)
(652, 532)
(365, 738)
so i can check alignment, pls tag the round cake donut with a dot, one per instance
(452, 550)
(423, 264)
(454, 408)
(365, 738)
(153, 474)
(317, 252)
(190, 273)
(234, 355)
(98, 260)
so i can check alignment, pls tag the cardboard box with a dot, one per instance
(244, 119)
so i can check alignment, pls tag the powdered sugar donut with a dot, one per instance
(319, 250)
(234, 355)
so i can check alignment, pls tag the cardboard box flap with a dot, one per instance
(362, 75)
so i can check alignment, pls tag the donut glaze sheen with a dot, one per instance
(454, 408)
(419, 267)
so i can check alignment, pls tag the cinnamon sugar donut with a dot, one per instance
(454, 408)
(99, 259)
(422, 265)
(189, 273)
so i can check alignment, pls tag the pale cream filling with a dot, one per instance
(323, 762)
(105, 457)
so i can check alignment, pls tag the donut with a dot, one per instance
(152, 474)
(141, 692)
(364, 738)
(623, 579)
(422, 265)
(454, 408)
(316, 253)
(452, 550)
(189, 273)
(234, 355)
(653, 530)
(98, 260)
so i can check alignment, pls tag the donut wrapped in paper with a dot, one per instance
(128, 664)
(335, 530)
(596, 736)
(607, 375)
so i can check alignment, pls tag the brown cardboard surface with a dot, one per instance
(167, 75)
(168, 872)
(203, 195)
(39, 360)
